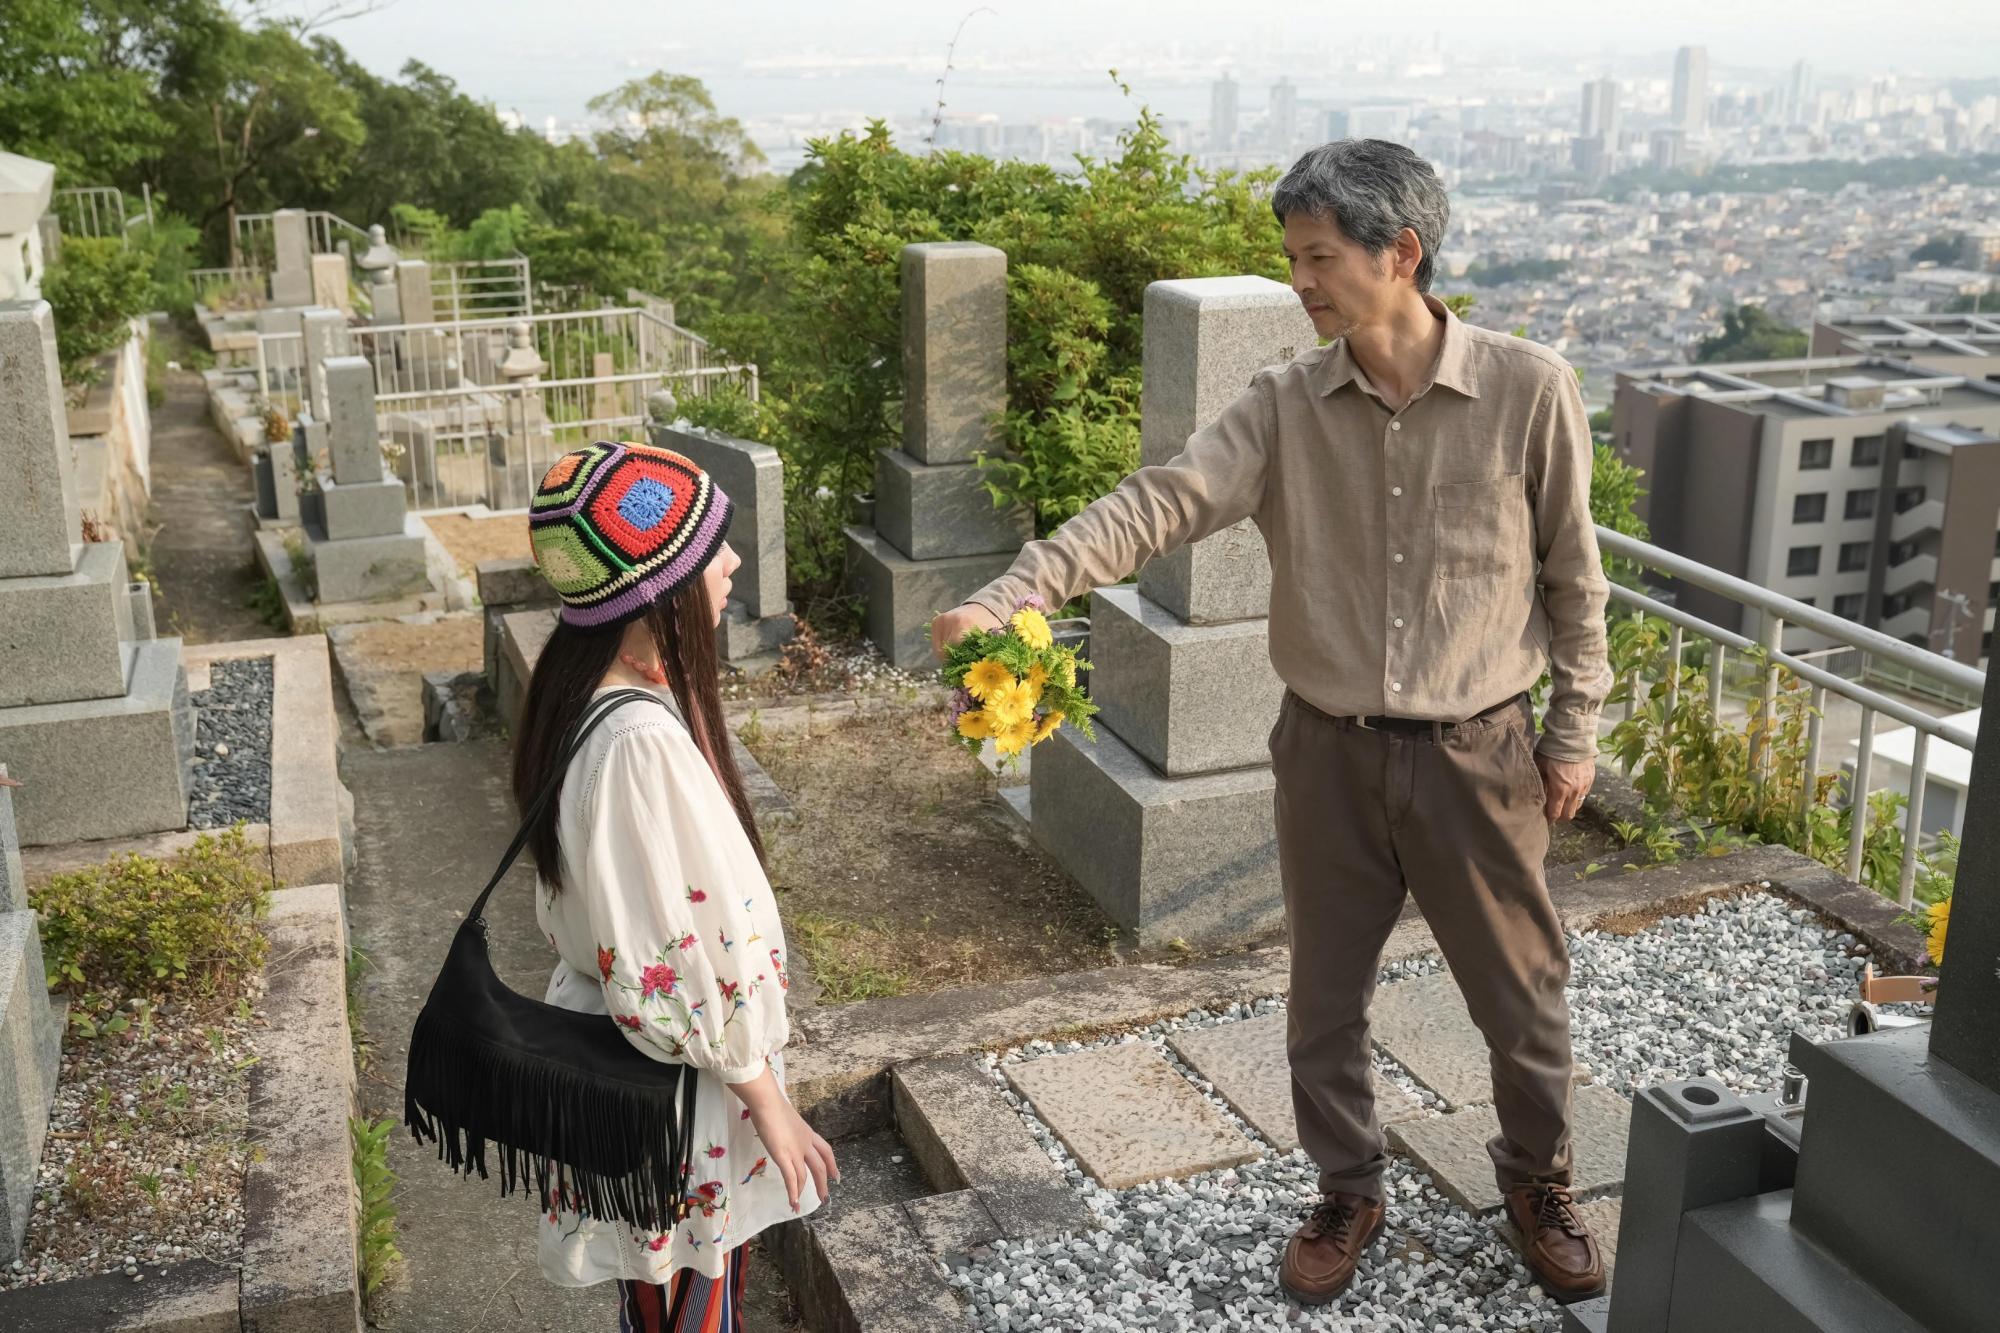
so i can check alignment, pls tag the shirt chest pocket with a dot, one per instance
(1480, 528)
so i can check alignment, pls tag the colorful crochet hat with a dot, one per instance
(614, 527)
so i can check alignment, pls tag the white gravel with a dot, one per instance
(1716, 993)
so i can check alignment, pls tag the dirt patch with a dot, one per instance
(471, 540)
(1577, 842)
(1687, 904)
(383, 663)
(902, 875)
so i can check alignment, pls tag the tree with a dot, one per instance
(79, 81)
(1749, 333)
(1945, 248)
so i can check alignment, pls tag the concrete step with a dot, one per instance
(1743, 1265)
(1453, 1148)
(1898, 1172)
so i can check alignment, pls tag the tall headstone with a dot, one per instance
(938, 536)
(1166, 820)
(329, 284)
(30, 1043)
(362, 551)
(758, 622)
(414, 301)
(324, 335)
(94, 711)
(291, 271)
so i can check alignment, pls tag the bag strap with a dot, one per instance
(594, 713)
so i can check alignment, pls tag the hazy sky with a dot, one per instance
(548, 56)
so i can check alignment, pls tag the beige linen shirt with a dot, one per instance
(1427, 563)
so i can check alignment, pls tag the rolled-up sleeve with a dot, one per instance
(677, 951)
(1572, 583)
(1216, 480)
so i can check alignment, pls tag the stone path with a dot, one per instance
(430, 822)
(1128, 1116)
(1453, 1147)
(201, 554)
(1246, 1064)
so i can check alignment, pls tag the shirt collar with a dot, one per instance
(1453, 368)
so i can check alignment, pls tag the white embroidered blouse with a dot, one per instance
(667, 925)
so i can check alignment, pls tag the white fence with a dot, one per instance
(256, 237)
(468, 290)
(1775, 612)
(95, 211)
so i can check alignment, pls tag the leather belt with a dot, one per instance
(1421, 726)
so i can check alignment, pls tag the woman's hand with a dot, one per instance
(794, 1148)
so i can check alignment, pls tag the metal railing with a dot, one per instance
(572, 345)
(256, 238)
(281, 374)
(95, 211)
(240, 287)
(465, 290)
(1775, 612)
(490, 443)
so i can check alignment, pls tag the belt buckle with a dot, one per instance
(1361, 721)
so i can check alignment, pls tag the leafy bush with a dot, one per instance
(96, 289)
(139, 924)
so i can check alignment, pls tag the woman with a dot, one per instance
(651, 883)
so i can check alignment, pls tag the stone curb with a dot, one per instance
(305, 836)
(838, 1077)
(299, 1238)
(866, 1270)
(196, 1296)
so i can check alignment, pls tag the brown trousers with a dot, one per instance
(1453, 816)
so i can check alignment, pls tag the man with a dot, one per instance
(1423, 489)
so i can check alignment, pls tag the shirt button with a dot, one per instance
(1395, 490)
(1396, 685)
(1395, 425)
(1399, 622)
(1399, 557)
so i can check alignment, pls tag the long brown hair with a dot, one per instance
(572, 665)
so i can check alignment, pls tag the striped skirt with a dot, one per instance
(687, 1302)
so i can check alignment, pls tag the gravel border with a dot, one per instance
(231, 781)
(1715, 993)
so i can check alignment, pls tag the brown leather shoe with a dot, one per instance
(1555, 1242)
(1323, 1253)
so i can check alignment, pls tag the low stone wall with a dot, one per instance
(111, 436)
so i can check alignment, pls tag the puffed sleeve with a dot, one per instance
(677, 950)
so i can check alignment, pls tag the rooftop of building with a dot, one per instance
(1968, 335)
(1823, 387)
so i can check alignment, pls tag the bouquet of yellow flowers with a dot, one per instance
(1014, 685)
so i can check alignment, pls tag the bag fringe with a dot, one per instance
(610, 1150)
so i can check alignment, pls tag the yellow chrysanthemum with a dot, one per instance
(1011, 703)
(1033, 627)
(975, 724)
(1038, 676)
(1050, 721)
(984, 677)
(1015, 736)
(1940, 915)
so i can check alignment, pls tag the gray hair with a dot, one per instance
(1372, 189)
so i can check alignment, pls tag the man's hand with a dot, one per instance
(1566, 782)
(951, 626)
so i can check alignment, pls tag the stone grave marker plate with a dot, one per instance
(1128, 1115)
(1247, 1064)
(1453, 1147)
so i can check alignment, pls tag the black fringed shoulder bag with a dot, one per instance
(594, 1122)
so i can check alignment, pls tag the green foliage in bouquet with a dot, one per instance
(1015, 686)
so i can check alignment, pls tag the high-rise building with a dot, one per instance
(1369, 122)
(1600, 111)
(1284, 116)
(1222, 115)
(1665, 146)
(1690, 110)
(1800, 105)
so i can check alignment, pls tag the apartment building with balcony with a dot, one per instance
(1863, 485)
(1963, 344)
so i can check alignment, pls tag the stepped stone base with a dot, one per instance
(60, 635)
(751, 643)
(361, 508)
(903, 594)
(106, 768)
(1192, 699)
(1193, 858)
(369, 569)
(30, 1045)
(930, 511)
